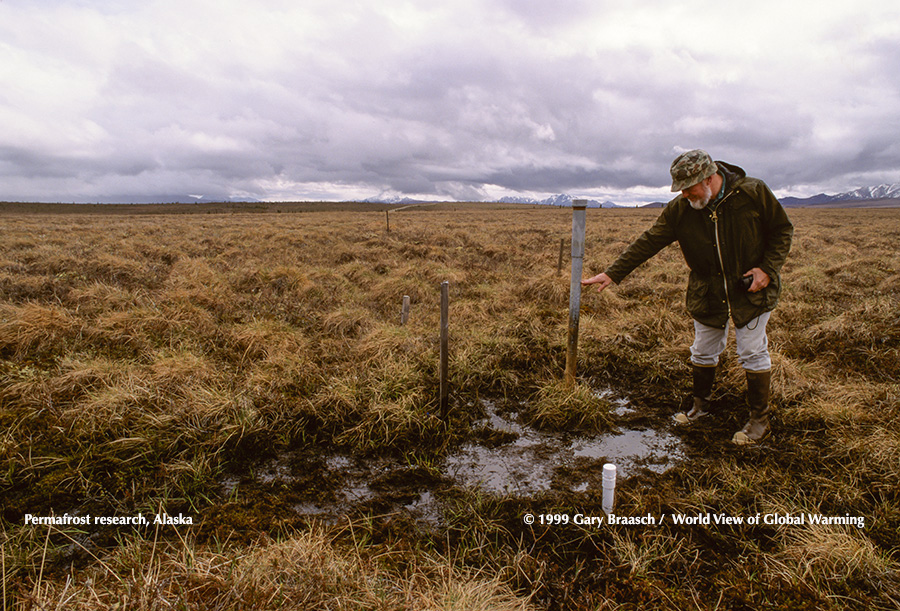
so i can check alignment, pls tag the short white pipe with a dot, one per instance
(609, 487)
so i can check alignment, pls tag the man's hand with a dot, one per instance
(760, 280)
(601, 280)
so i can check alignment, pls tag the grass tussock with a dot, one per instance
(143, 357)
(827, 554)
(309, 570)
(559, 406)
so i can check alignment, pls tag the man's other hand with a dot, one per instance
(760, 279)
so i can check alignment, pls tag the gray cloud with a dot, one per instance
(464, 101)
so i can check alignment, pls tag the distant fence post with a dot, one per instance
(445, 347)
(404, 310)
(578, 219)
(562, 246)
(387, 220)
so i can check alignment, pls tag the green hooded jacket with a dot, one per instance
(746, 228)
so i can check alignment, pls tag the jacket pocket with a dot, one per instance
(767, 298)
(697, 298)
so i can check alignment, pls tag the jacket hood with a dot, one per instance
(732, 173)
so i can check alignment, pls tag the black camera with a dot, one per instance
(744, 283)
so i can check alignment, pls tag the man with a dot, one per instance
(735, 237)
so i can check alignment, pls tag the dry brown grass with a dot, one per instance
(310, 570)
(140, 356)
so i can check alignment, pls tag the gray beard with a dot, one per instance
(699, 204)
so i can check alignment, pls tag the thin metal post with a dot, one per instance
(562, 247)
(445, 347)
(404, 310)
(578, 219)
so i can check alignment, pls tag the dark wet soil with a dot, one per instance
(504, 458)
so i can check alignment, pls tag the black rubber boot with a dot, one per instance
(702, 394)
(756, 429)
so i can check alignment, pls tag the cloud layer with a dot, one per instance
(111, 101)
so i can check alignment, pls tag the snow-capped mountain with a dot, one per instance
(560, 199)
(863, 194)
(510, 199)
(391, 199)
(879, 192)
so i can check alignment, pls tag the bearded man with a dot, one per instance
(735, 237)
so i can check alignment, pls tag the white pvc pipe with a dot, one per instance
(609, 487)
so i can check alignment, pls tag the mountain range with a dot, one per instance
(857, 197)
(561, 199)
(885, 195)
(882, 196)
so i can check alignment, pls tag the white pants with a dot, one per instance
(752, 344)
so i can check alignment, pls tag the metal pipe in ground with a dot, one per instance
(445, 349)
(579, 207)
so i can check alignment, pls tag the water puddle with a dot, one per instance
(537, 460)
(507, 457)
(620, 405)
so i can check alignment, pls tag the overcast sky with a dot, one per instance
(104, 100)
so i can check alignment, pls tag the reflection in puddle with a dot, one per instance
(520, 461)
(528, 464)
(620, 406)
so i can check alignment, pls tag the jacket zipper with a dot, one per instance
(715, 219)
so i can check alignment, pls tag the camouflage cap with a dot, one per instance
(690, 168)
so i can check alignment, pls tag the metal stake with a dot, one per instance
(578, 219)
(445, 347)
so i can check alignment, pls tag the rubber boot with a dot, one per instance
(757, 427)
(703, 383)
